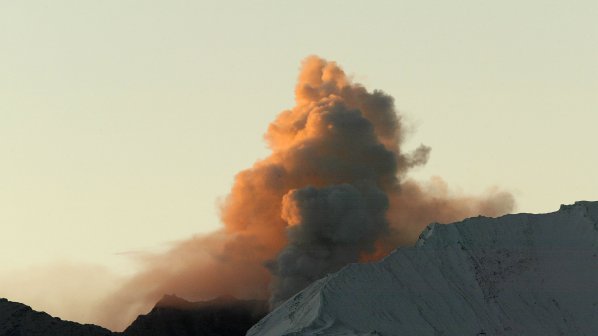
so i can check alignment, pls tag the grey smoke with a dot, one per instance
(329, 228)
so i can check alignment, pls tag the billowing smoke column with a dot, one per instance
(333, 191)
(339, 148)
(323, 191)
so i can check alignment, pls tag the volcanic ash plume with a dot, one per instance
(333, 191)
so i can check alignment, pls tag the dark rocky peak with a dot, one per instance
(223, 316)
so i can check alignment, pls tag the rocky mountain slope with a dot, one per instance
(519, 274)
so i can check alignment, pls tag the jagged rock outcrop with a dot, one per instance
(519, 274)
(17, 319)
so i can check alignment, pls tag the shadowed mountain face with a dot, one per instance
(220, 317)
(17, 319)
(172, 316)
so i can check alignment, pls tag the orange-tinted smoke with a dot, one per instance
(421, 203)
(338, 134)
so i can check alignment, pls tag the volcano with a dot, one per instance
(520, 274)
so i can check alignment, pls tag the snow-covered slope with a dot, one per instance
(519, 274)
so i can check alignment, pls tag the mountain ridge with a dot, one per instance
(172, 315)
(17, 319)
(223, 316)
(519, 274)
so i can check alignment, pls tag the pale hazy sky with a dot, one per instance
(123, 122)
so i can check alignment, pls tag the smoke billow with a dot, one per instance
(329, 227)
(333, 191)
